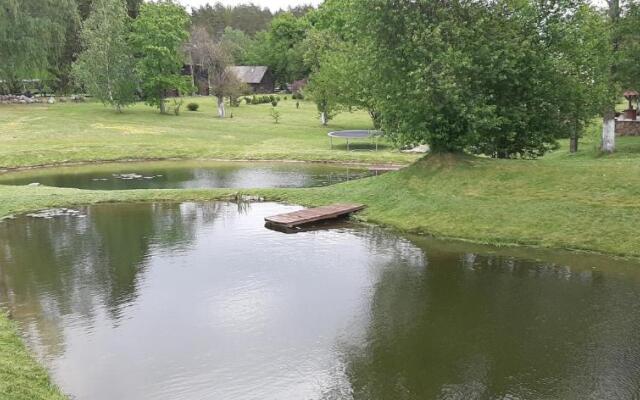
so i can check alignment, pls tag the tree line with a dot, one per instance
(41, 39)
(504, 78)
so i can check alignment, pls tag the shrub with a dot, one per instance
(297, 96)
(174, 105)
(247, 100)
(285, 98)
(278, 98)
(275, 114)
(274, 103)
(193, 106)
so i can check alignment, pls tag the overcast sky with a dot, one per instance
(274, 5)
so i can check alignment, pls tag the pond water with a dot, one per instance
(200, 301)
(188, 174)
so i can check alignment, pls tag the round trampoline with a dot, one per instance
(355, 134)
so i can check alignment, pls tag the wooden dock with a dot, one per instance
(309, 215)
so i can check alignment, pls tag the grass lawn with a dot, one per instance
(63, 133)
(584, 201)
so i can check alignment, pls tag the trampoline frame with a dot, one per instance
(356, 134)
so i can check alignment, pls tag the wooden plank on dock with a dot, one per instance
(297, 218)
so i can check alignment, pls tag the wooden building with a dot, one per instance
(258, 78)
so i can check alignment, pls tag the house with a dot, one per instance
(258, 78)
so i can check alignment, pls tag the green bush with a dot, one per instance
(274, 103)
(193, 106)
(264, 99)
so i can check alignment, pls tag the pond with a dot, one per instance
(188, 174)
(194, 301)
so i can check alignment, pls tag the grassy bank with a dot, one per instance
(583, 201)
(571, 202)
(21, 377)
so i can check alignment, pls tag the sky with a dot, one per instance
(274, 5)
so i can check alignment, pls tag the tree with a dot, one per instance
(624, 70)
(340, 68)
(579, 41)
(247, 18)
(104, 67)
(33, 37)
(216, 59)
(481, 77)
(330, 82)
(281, 48)
(238, 43)
(157, 37)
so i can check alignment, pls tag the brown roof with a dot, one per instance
(249, 73)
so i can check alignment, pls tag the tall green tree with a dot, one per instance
(579, 42)
(158, 36)
(33, 38)
(238, 43)
(340, 66)
(281, 48)
(482, 77)
(105, 66)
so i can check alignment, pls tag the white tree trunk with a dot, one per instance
(221, 111)
(323, 118)
(609, 133)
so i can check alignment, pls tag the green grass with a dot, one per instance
(65, 133)
(21, 377)
(582, 201)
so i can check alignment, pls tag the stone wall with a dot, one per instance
(627, 127)
(22, 99)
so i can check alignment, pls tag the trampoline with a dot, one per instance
(354, 135)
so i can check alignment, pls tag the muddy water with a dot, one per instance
(200, 301)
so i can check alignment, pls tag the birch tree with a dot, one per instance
(105, 66)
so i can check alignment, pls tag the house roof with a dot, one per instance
(249, 73)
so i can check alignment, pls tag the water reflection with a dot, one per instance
(474, 326)
(188, 174)
(183, 301)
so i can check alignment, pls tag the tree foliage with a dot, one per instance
(33, 37)
(158, 35)
(105, 66)
(247, 18)
(499, 78)
(281, 48)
